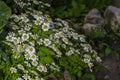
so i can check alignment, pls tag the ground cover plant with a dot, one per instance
(37, 47)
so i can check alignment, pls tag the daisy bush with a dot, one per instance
(38, 46)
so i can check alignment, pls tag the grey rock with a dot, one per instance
(112, 17)
(94, 17)
(88, 27)
(93, 20)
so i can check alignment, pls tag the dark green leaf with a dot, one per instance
(45, 51)
(79, 74)
(46, 60)
(107, 51)
(100, 69)
(5, 13)
(89, 76)
(4, 56)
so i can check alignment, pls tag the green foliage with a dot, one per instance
(76, 9)
(100, 68)
(5, 13)
(46, 55)
(89, 76)
(44, 51)
(3, 56)
(77, 68)
(36, 46)
(107, 51)
(65, 9)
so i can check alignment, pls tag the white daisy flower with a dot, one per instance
(15, 40)
(35, 36)
(30, 49)
(27, 56)
(41, 79)
(87, 56)
(59, 53)
(11, 34)
(21, 32)
(34, 72)
(32, 43)
(38, 21)
(47, 42)
(20, 67)
(25, 36)
(90, 65)
(82, 38)
(19, 79)
(27, 27)
(20, 48)
(25, 46)
(26, 71)
(35, 16)
(75, 35)
(34, 63)
(57, 35)
(86, 60)
(70, 53)
(15, 27)
(77, 51)
(46, 27)
(44, 69)
(27, 63)
(40, 41)
(20, 40)
(26, 77)
(63, 45)
(61, 34)
(38, 16)
(98, 59)
(9, 38)
(37, 78)
(25, 19)
(13, 70)
(33, 57)
(40, 68)
(65, 40)
(35, 2)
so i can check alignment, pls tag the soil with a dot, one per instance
(113, 65)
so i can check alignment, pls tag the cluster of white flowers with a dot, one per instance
(29, 35)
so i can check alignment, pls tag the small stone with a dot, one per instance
(107, 77)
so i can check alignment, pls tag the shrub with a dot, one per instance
(38, 47)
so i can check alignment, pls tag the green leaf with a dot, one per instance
(102, 45)
(5, 13)
(2, 65)
(107, 51)
(74, 4)
(46, 60)
(45, 51)
(100, 69)
(89, 76)
(79, 74)
(45, 55)
(97, 34)
(45, 34)
(4, 56)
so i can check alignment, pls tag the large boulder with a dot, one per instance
(93, 20)
(112, 17)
